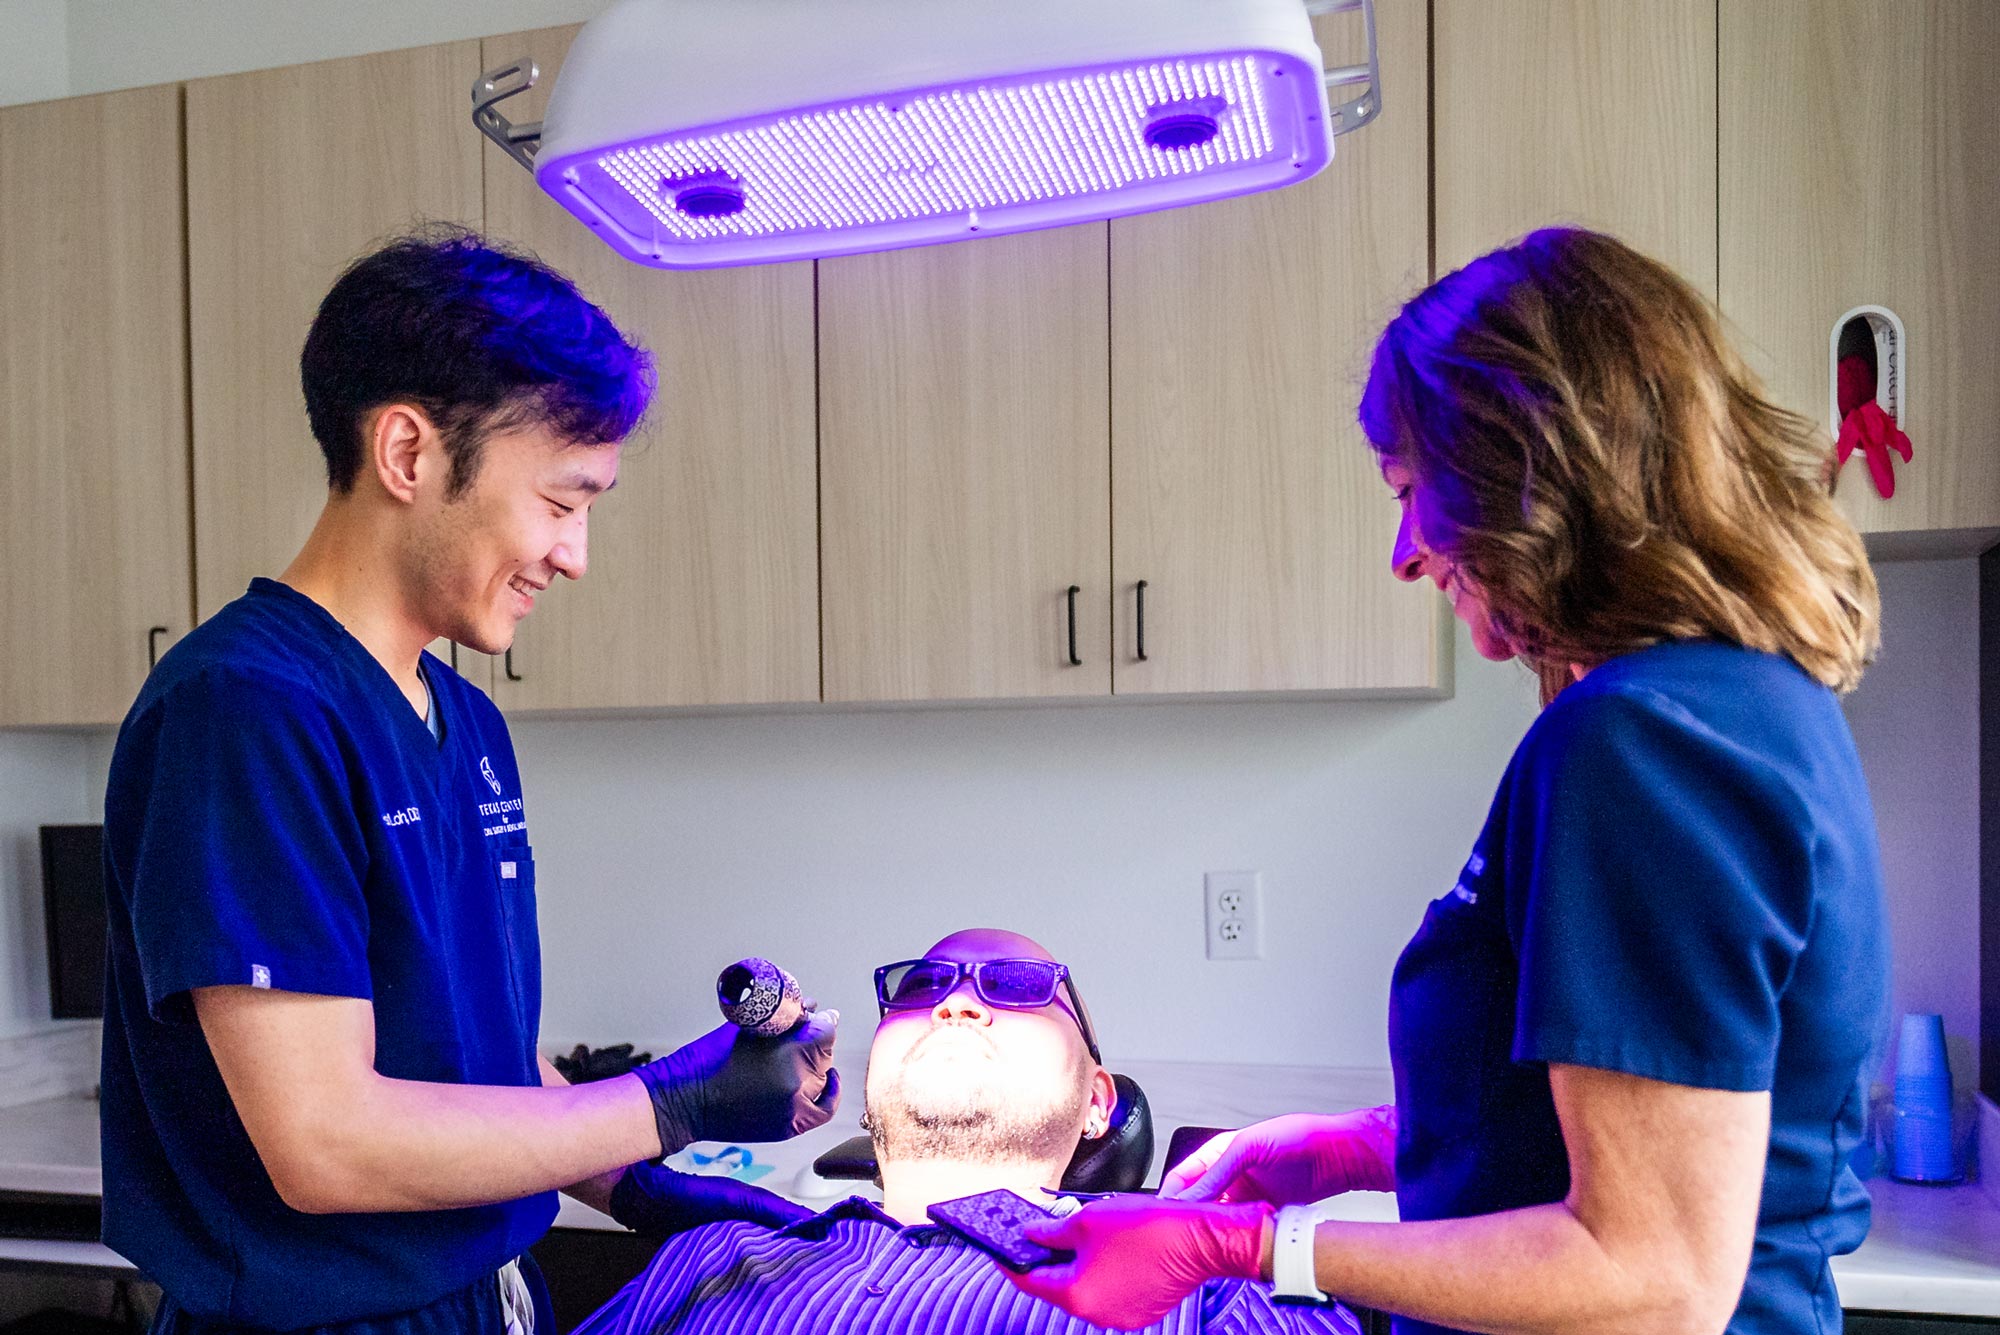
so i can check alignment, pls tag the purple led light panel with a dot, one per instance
(932, 164)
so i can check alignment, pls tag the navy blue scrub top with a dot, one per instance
(1679, 880)
(279, 816)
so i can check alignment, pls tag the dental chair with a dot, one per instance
(1118, 1160)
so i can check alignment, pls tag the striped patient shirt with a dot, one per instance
(854, 1270)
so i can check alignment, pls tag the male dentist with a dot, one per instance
(323, 1108)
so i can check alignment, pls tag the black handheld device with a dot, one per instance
(993, 1220)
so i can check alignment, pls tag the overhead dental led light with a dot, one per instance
(702, 133)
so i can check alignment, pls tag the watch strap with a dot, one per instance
(1292, 1270)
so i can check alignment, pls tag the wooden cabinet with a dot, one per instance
(93, 403)
(292, 174)
(1244, 494)
(702, 586)
(877, 478)
(965, 469)
(1857, 167)
(966, 485)
(1596, 113)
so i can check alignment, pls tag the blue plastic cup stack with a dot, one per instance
(1923, 1150)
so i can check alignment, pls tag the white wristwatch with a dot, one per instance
(1292, 1277)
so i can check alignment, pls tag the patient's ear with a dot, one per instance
(1103, 1101)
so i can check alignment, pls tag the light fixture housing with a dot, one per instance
(703, 133)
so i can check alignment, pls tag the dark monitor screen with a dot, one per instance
(73, 906)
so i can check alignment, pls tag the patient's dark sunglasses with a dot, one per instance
(1015, 985)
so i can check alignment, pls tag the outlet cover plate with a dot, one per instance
(1233, 914)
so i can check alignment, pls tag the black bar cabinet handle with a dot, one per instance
(508, 662)
(1074, 661)
(1140, 621)
(153, 646)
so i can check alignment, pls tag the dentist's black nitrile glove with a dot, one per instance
(730, 1084)
(660, 1202)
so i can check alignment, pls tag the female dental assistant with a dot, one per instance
(1629, 1042)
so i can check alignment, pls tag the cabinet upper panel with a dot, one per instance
(965, 469)
(93, 436)
(1243, 493)
(702, 585)
(291, 175)
(1598, 113)
(1859, 168)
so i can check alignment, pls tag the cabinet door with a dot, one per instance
(1858, 144)
(93, 403)
(1244, 495)
(1598, 113)
(702, 587)
(291, 175)
(964, 469)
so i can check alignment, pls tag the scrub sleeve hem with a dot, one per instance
(171, 1000)
(1568, 1050)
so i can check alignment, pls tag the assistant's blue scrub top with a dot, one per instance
(279, 816)
(1679, 880)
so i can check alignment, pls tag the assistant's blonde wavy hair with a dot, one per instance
(1596, 458)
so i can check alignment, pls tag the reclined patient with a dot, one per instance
(975, 1081)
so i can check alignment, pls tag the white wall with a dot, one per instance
(836, 842)
(34, 50)
(1915, 720)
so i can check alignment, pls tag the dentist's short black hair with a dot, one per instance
(481, 336)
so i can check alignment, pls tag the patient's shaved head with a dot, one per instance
(968, 1081)
(988, 943)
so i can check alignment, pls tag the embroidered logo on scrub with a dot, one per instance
(407, 816)
(503, 817)
(260, 976)
(1473, 867)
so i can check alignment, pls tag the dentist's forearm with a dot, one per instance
(1654, 1237)
(592, 1191)
(393, 1145)
(337, 1137)
(1536, 1271)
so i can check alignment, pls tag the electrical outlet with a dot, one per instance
(1233, 914)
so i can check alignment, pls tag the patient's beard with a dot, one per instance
(976, 1112)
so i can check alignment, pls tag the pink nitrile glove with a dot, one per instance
(1866, 425)
(1138, 1258)
(1292, 1160)
(1853, 384)
(1876, 433)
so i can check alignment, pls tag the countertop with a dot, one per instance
(1931, 1249)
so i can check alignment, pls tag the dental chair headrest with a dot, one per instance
(1118, 1160)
